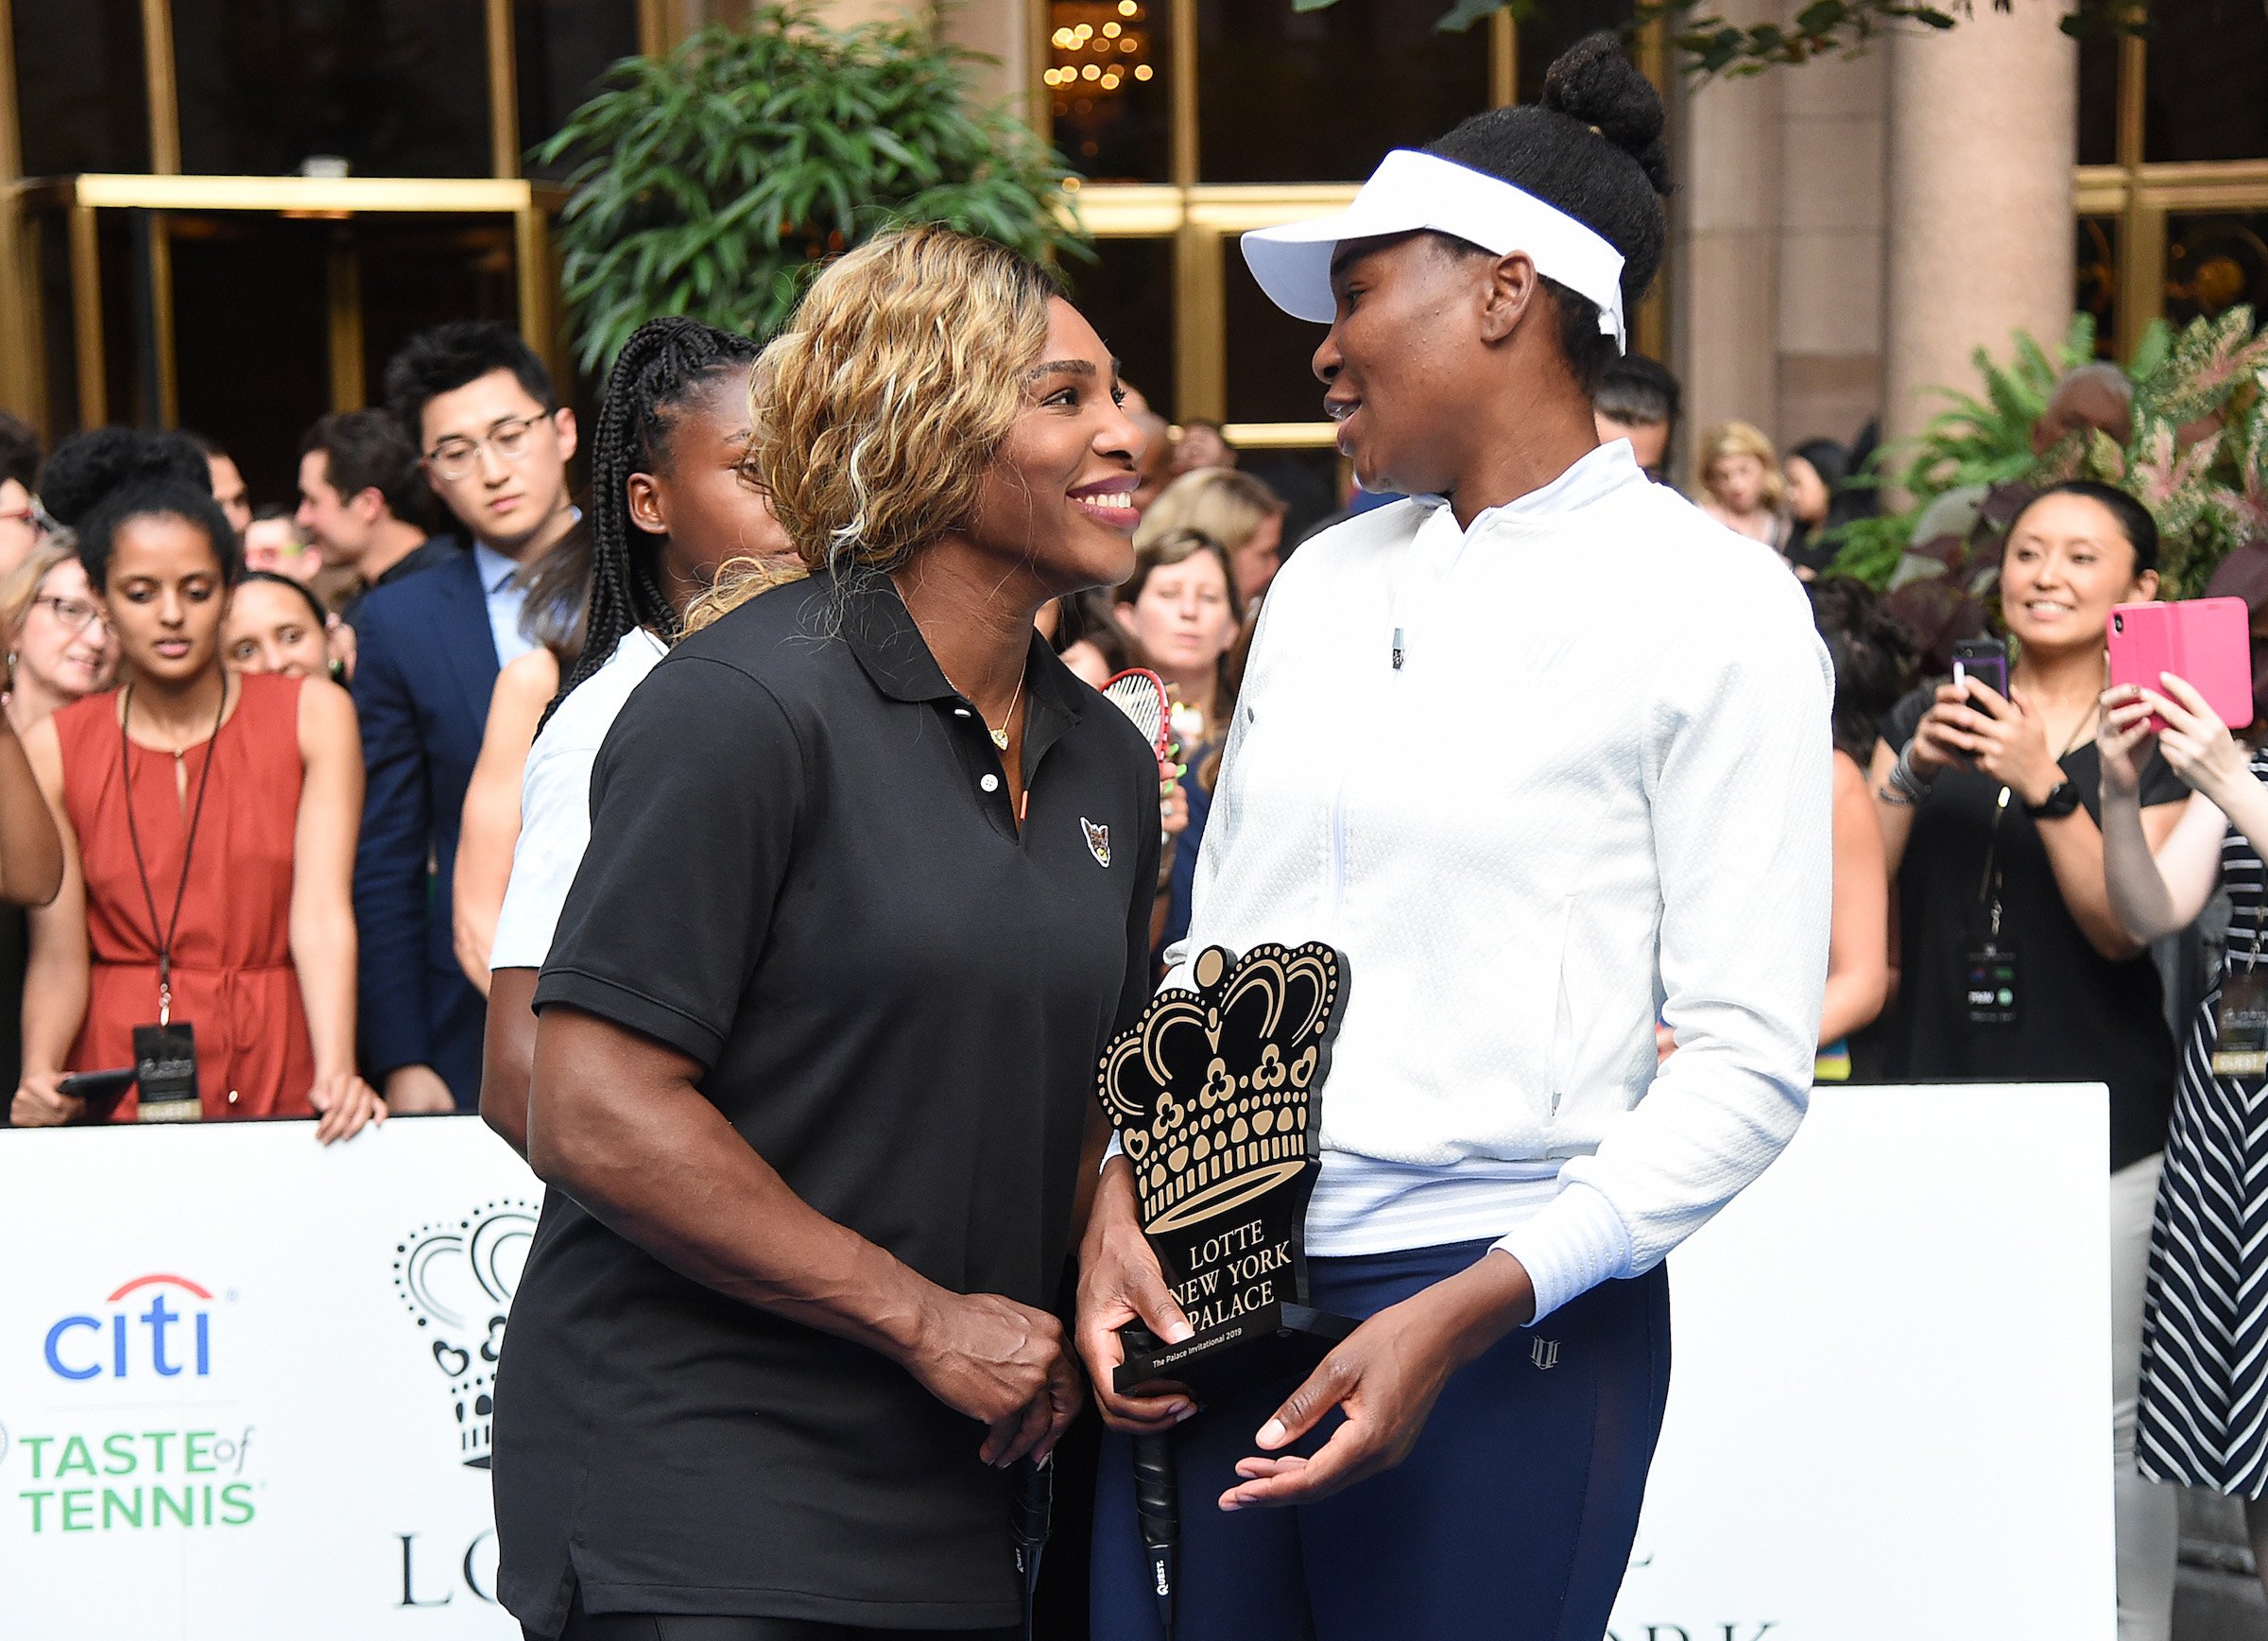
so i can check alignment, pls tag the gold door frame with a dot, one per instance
(2140, 194)
(75, 203)
(1199, 216)
(80, 202)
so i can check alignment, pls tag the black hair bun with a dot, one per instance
(1592, 81)
(88, 467)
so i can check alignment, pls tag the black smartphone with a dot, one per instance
(1985, 660)
(101, 1090)
(97, 1084)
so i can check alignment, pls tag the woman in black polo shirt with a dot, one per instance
(867, 889)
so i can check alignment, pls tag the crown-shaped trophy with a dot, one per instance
(456, 1278)
(1212, 1092)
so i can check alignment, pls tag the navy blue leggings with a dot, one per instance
(1511, 1520)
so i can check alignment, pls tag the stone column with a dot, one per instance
(1983, 133)
(1725, 227)
(1830, 248)
(1000, 29)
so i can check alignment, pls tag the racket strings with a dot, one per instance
(1140, 695)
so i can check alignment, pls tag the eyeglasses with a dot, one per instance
(76, 613)
(455, 459)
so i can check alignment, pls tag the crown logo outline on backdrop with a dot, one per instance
(456, 1278)
(1238, 1135)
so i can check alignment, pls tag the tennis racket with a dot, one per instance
(1140, 695)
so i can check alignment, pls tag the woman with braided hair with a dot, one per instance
(671, 500)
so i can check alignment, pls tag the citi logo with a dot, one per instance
(170, 1336)
(1544, 1354)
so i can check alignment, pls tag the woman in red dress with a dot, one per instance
(209, 823)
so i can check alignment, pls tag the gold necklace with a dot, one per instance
(1000, 736)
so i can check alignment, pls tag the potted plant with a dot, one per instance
(712, 180)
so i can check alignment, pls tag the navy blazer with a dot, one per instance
(425, 670)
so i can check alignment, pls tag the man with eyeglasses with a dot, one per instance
(21, 522)
(493, 442)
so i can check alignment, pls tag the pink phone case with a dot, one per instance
(2206, 642)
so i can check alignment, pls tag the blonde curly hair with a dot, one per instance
(891, 390)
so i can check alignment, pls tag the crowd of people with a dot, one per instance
(316, 781)
(463, 472)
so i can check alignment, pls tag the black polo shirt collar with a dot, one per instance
(880, 632)
(890, 649)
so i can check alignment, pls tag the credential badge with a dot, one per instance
(1098, 840)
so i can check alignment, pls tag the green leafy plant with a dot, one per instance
(713, 181)
(2196, 460)
(1979, 441)
(1708, 45)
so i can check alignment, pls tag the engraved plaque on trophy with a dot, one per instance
(1213, 1094)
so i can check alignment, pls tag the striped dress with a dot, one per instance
(2203, 1419)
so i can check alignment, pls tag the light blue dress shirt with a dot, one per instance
(507, 597)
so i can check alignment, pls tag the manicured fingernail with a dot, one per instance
(1230, 1505)
(1179, 1332)
(1184, 1412)
(1271, 1434)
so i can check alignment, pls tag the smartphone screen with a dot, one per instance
(1985, 660)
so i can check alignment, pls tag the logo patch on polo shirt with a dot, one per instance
(1098, 840)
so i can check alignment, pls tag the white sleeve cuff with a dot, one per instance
(1113, 1150)
(1577, 1242)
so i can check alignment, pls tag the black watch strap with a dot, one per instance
(2060, 801)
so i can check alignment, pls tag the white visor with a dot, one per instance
(1411, 191)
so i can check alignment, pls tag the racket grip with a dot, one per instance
(1034, 1508)
(1034, 1514)
(1158, 1506)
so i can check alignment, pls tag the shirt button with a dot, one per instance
(991, 782)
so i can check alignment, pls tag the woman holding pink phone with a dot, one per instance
(2012, 964)
(2203, 1381)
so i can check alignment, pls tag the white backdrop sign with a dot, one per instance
(243, 1383)
(241, 1378)
(1890, 1397)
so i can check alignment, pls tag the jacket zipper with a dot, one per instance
(1563, 1024)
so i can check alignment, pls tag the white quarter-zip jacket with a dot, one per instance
(1595, 785)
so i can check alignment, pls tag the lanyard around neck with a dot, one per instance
(1988, 887)
(163, 938)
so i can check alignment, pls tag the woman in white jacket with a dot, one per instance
(1524, 850)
